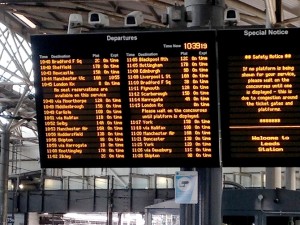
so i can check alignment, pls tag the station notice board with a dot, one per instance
(127, 99)
(260, 87)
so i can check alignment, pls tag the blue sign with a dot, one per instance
(186, 188)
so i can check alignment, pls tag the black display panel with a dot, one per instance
(130, 99)
(260, 88)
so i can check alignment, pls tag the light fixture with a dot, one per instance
(25, 20)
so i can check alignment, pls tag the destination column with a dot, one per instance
(60, 105)
(146, 99)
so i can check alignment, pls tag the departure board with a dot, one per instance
(127, 99)
(260, 88)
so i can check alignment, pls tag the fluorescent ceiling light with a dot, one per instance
(25, 20)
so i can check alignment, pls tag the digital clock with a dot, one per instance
(195, 46)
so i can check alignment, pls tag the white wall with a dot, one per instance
(33, 218)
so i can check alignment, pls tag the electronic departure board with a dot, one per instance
(127, 99)
(260, 89)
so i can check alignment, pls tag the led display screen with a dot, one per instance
(260, 88)
(127, 99)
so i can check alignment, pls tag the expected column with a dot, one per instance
(108, 107)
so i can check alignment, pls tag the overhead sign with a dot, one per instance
(120, 100)
(110, 100)
(260, 89)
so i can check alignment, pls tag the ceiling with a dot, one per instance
(52, 17)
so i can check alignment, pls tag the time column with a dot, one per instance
(135, 103)
(49, 106)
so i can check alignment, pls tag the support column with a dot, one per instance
(210, 196)
(273, 177)
(148, 217)
(290, 178)
(187, 211)
(208, 211)
(176, 17)
(187, 214)
(4, 161)
(33, 218)
(205, 13)
(270, 13)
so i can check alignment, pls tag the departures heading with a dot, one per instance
(150, 98)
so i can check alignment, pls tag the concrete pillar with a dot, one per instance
(148, 217)
(205, 13)
(270, 13)
(4, 159)
(273, 177)
(290, 178)
(176, 17)
(33, 218)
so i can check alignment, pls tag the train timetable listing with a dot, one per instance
(117, 102)
(263, 98)
(82, 107)
(169, 100)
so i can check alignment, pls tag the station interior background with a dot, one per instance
(17, 112)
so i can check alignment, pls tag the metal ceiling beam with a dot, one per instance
(98, 9)
(15, 112)
(17, 124)
(292, 20)
(246, 8)
(270, 13)
(44, 18)
(35, 8)
(154, 13)
(251, 19)
(44, 1)
(9, 50)
(30, 139)
(115, 7)
(278, 11)
(52, 31)
(162, 4)
(114, 14)
(15, 25)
